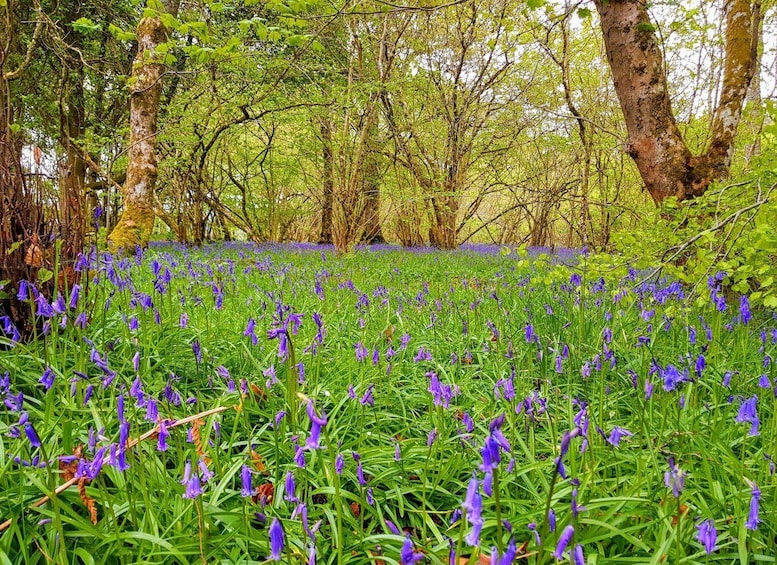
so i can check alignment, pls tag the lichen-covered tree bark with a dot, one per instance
(666, 165)
(137, 218)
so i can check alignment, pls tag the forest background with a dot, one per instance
(477, 121)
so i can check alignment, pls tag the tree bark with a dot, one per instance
(371, 187)
(23, 238)
(137, 219)
(666, 165)
(328, 181)
(72, 125)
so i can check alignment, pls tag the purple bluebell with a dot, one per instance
(744, 310)
(563, 542)
(299, 456)
(197, 350)
(473, 504)
(748, 414)
(360, 474)
(32, 435)
(47, 379)
(532, 526)
(75, 293)
(162, 436)
(191, 480)
(277, 540)
(316, 425)
(707, 535)
(752, 517)
(617, 434)
(205, 473)
(290, 488)
(674, 478)
(578, 557)
(245, 481)
(361, 352)
(408, 555)
(368, 399)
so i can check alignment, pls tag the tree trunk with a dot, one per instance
(137, 219)
(23, 238)
(73, 185)
(665, 163)
(371, 186)
(328, 182)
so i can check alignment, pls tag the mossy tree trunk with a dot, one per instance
(137, 218)
(665, 163)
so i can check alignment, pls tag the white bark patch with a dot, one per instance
(139, 190)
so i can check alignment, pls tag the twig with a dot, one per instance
(130, 444)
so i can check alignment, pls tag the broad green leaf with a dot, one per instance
(44, 275)
(14, 246)
(85, 25)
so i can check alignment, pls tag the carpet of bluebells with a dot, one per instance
(242, 403)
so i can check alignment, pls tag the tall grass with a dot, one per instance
(374, 386)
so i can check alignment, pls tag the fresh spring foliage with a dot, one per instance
(237, 403)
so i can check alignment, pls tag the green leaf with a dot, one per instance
(85, 25)
(645, 27)
(534, 4)
(44, 275)
(121, 34)
(583, 13)
(14, 246)
(770, 301)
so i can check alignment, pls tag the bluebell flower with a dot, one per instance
(552, 520)
(707, 535)
(316, 425)
(161, 444)
(299, 456)
(578, 557)
(674, 478)
(747, 414)
(277, 541)
(368, 398)
(32, 435)
(360, 474)
(290, 488)
(191, 480)
(408, 555)
(563, 542)
(617, 434)
(361, 352)
(246, 489)
(473, 505)
(47, 379)
(752, 517)
(744, 310)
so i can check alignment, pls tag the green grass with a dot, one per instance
(470, 311)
